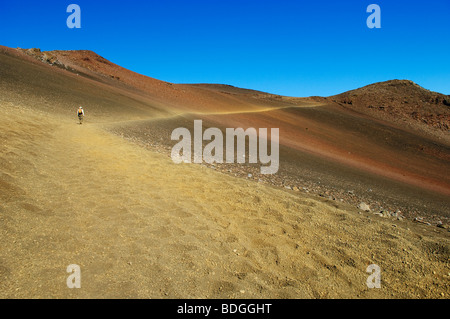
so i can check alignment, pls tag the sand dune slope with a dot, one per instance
(140, 226)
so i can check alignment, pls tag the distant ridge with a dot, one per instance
(400, 101)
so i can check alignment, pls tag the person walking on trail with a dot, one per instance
(80, 113)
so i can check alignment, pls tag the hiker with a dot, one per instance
(80, 113)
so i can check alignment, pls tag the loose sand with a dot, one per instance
(140, 226)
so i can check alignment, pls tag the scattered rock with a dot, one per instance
(363, 206)
(385, 213)
(444, 226)
(420, 220)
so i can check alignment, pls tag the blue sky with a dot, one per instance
(288, 47)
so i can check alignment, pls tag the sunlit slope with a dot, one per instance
(60, 81)
(140, 226)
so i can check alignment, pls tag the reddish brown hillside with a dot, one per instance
(401, 101)
(183, 97)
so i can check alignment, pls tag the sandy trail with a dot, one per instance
(140, 226)
(176, 114)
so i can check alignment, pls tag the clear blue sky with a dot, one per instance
(289, 47)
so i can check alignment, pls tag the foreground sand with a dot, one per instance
(140, 226)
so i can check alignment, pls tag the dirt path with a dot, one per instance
(140, 226)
